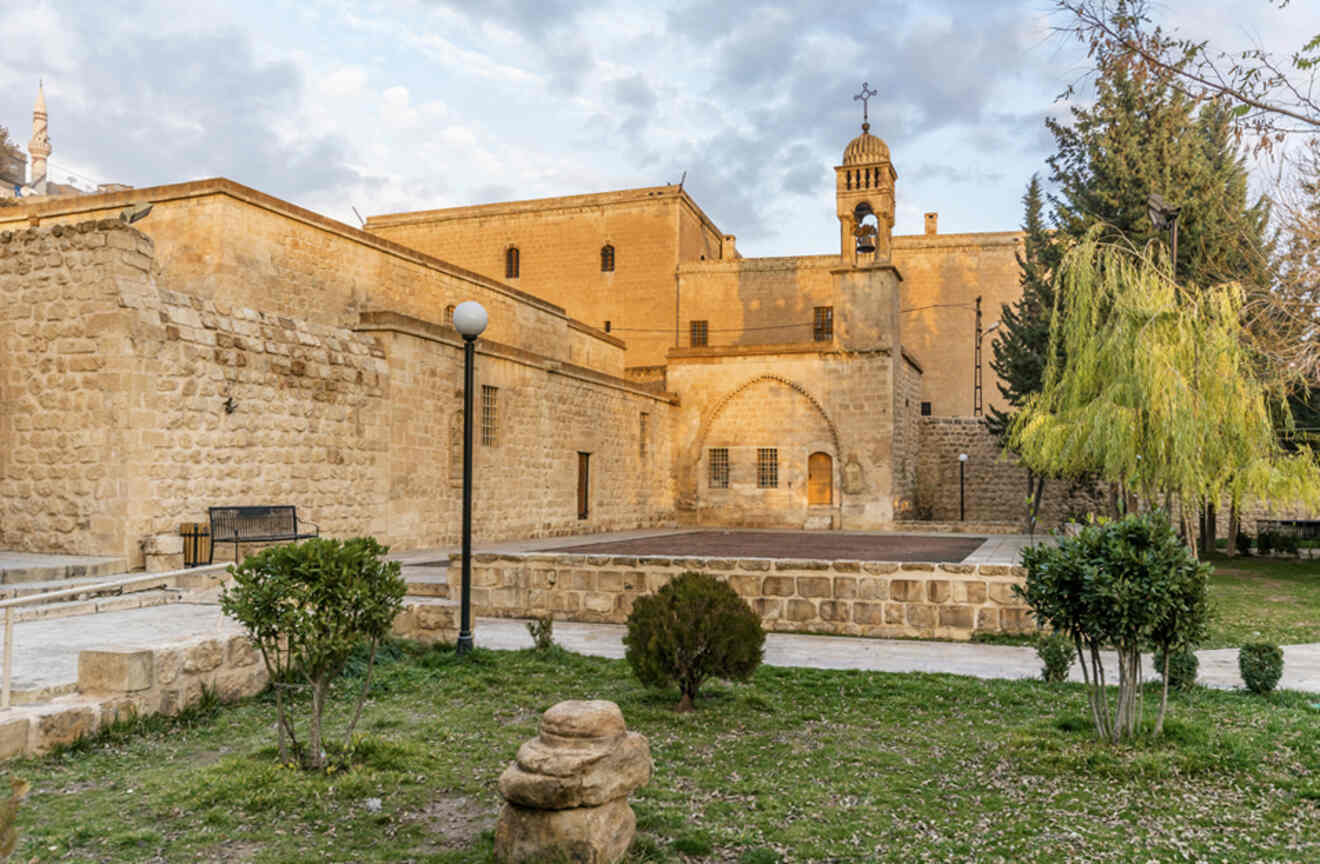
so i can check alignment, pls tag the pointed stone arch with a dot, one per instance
(709, 421)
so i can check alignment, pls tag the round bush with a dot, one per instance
(1056, 651)
(693, 628)
(1182, 668)
(1261, 665)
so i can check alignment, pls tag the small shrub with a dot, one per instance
(693, 628)
(1244, 544)
(306, 606)
(1261, 665)
(1056, 650)
(543, 632)
(1182, 668)
(1265, 543)
(1287, 544)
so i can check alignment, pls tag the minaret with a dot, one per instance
(39, 146)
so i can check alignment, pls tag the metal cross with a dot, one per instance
(864, 97)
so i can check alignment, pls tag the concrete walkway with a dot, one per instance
(1218, 667)
(46, 651)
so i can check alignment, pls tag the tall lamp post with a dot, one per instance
(469, 321)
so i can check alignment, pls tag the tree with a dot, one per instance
(7, 145)
(1128, 585)
(1024, 332)
(308, 606)
(1153, 388)
(1268, 96)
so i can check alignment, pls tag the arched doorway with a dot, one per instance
(820, 480)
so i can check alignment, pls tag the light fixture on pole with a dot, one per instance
(469, 321)
(962, 487)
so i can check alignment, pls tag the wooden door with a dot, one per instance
(584, 485)
(820, 479)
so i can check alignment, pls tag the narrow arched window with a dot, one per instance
(449, 315)
(606, 258)
(511, 262)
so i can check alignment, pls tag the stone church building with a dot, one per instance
(233, 348)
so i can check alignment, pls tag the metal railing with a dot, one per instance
(143, 583)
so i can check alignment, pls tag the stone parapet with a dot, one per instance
(853, 598)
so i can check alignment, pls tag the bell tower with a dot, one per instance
(864, 191)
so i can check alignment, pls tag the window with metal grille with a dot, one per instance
(489, 415)
(925, 409)
(642, 427)
(823, 324)
(606, 258)
(719, 468)
(697, 331)
(767, 467)
(511, 262)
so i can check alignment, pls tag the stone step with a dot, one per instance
(427, 581)
(142, 598)
(51, 569)
(28, 589)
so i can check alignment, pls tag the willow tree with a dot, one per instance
(1151, 385)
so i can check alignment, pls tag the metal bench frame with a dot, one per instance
(265, 524)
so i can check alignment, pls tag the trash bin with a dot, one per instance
(196, 543)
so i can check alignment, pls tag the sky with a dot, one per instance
(417, 104)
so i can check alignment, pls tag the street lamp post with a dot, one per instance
(962, 487)
(469, 321)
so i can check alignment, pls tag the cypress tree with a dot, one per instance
(1021, 347)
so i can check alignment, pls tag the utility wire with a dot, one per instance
(714, 329)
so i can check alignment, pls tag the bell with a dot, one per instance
(866, 243)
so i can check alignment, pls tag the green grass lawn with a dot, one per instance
(798, 765)
(1264, 600)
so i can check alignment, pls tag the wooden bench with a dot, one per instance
(256, 525)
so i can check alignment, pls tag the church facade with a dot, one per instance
(232, 348)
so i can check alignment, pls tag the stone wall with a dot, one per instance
(298, 264)
(943, 274)
(797, 400)
(907, 436)
(995, 483)
(127, 408)
(855, 598)
(559, 242)
(755, 301)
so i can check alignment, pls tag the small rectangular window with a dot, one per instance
(489, 415)
(823, 324)
(606, 258)
(511, 262)
(925, 409)
(719, 468)
(767, 467)
(697, 332)
(642, 427)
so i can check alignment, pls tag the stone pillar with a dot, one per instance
(567, 792)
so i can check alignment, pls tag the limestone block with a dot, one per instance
(609, 580)
(436, 617)
(987, 619)
(907, 590)
(583, 835)
(960, 617)
(835, 610)
(59, 724)
(938, 590)
(234, 684)
(921, 615)
(880, 568)
(746, 584)
(114, 671)
(872, 588)
(14, 737)
(778, 586)
(868, 614)
(1002, 593)
(801, 610)
(754, 564)
(966, 591)
(203, 657)
(847, 566)
(814, 586)
(241, 652)
(768, 608)
(168, 663)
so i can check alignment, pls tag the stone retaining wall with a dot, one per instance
(855, 598)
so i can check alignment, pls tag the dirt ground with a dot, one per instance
(792, 544)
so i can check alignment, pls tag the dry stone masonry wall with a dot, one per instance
(854, 598)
